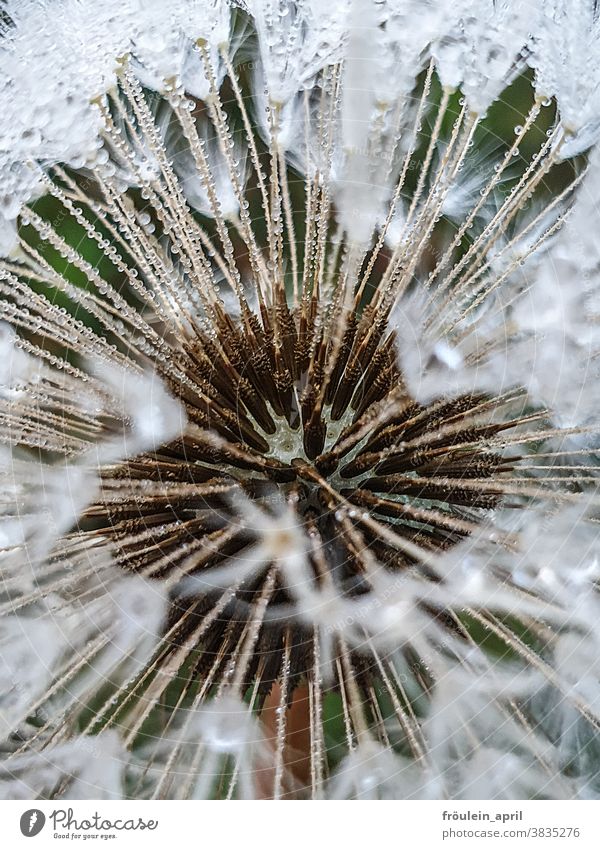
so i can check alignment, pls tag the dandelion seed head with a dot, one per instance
(298, 398)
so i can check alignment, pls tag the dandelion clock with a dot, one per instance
(299, 399)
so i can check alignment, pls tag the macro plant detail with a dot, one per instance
(299, 400)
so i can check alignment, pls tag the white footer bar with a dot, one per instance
(301, 825)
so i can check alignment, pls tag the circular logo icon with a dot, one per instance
(32, 822)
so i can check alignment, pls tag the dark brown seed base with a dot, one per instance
(401, 464)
